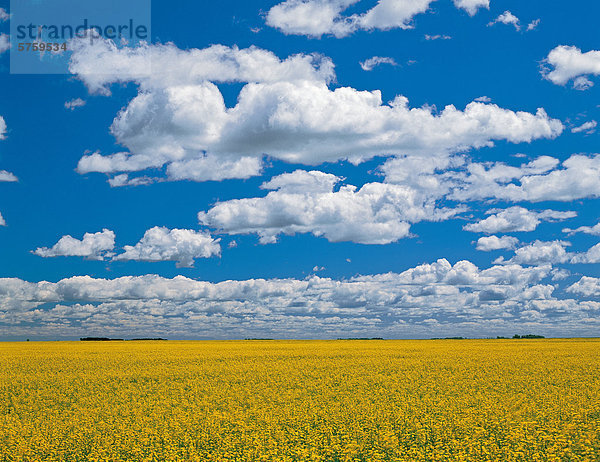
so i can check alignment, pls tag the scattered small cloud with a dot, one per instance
(74, 104)
(593, 230)
(371, 63)
(7, 177)
(582, 83)
(437, 37)
(4, 43)
(588, 127)
(123, 179)
(483, 99)
(533, 24)
(507, 18)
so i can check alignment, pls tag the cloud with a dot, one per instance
(516, 219)
(179, 119)
(4, 43)
(489, 243)
(157, 244)
(7, 177)
(315, 18)
(74, 104)
(2, 128)
(566, 63)
(4, 175)
(533, 24)
(123, 180)
(540, 253)
(96, 246)
(4, 16)
(507, 18)
(180, 245)
(483, 99)
(591, 256)
(594, 230)
(307, 202)
(162, 66)
(471, 6)
(588, 127)
(458, 297)
(437, 37)
(544, 179)
(586, 286)
(369, 64)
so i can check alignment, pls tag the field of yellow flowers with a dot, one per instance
(475, 400)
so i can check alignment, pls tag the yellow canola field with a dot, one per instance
(471, 400)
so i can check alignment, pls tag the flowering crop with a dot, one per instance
(475, 400)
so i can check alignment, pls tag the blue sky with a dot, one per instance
(317, 201)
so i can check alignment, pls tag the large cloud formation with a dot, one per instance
(286, 110)
(438, 298)
(306, 202)
(543, 179)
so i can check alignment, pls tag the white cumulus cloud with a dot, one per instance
(315, 18)
(93, 246)
(325, 17)
(422, 301)
(566, 63)
(471, 6)
(179, 118)
(180, 245)
(591, 256)
(307, 202)
(540, 253)
(516, 219)
(507, 18)
(489, 243)
(544, 179)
